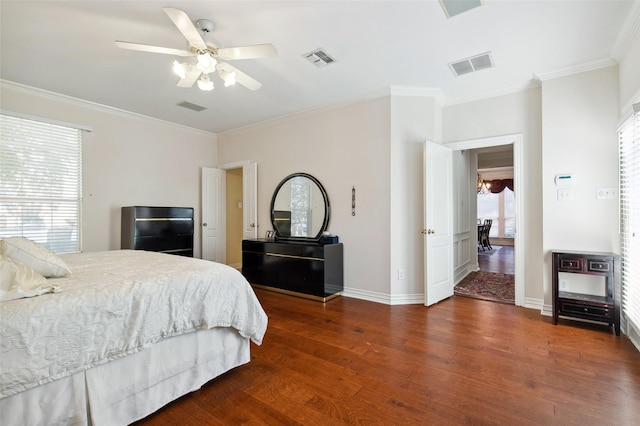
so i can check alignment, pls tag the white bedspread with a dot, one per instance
(116, 303)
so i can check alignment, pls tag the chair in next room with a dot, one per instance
(484, 234)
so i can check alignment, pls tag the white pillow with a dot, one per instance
(34, 256)
(18, 280)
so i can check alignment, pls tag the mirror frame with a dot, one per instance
(327, 208)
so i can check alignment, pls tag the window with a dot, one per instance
(40, 182)
(501, 208)
(629, 140)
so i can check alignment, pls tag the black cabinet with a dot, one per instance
(163, 229)
(306, 269)
(598, 299)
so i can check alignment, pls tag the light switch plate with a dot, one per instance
(565, 194)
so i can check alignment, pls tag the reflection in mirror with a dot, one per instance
(300, 207)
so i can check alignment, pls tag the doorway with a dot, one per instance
(495, 209)
(229, 206)
(516, 141)
(234, 217)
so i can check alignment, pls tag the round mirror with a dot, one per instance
(299, 208)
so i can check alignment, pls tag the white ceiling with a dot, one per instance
(68, 48)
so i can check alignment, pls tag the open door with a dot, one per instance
(213, 215)
(438, 220)
(250, 200)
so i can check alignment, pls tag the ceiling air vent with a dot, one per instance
(192, 107)
(319, 58)
(452, 8)
(472, 64)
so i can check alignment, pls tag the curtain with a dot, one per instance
(498, 185)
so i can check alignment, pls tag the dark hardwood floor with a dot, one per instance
(462, 361)
(502, 261)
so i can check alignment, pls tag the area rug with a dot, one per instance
(487, 252)
(487, 286)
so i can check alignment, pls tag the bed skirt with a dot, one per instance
(130, 388)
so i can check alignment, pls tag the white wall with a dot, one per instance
(508, 114)
(414, 119)
(343, 147)
(580, 114)
(127, 160)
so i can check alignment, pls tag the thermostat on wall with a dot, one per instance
(564, 180)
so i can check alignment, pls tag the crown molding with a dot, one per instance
(532, 84)
(427, 92)
(629, 29)
(576, 69)
(7, 84)
(386, 92)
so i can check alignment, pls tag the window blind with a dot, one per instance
(629, 140)
(41, 183)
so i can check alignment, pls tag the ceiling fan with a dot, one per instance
(209, 56)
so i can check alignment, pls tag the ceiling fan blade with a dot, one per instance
(189, 80)
(248, 52)
(186, 27)
(241, 77)
(152, 49)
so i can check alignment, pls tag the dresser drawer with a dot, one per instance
(571, 264)
(597, 265)
(585, 311)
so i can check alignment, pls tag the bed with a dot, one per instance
(125, 333)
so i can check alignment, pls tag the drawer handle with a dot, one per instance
(289, 256)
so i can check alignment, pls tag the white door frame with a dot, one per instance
(518, 161)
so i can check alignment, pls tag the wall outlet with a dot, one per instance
(606, 193)
(401, 274)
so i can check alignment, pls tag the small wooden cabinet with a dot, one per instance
(306, 269)
(599, 299)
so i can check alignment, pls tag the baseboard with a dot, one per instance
(417, 299)
(546, 310)
(462, 275)
(384, 298)
(634, 335)
(237, 266)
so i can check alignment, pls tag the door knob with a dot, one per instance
(423, 232)
(204, 224)
(253, 225)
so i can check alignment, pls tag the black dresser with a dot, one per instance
(163, 229)
(306, 269)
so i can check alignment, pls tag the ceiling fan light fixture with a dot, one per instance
(204, 83)
(206, 63)
(180, 69)
(229, 78)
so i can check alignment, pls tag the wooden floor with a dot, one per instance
(462, 361)
(502, 261)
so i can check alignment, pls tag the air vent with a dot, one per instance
(192, 107)
(319, 58)
(452, 8)
(472, 64)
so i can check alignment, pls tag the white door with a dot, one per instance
(213, 215)
(250, 200)
(438, 220)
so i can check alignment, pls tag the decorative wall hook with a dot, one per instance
(353, 201)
